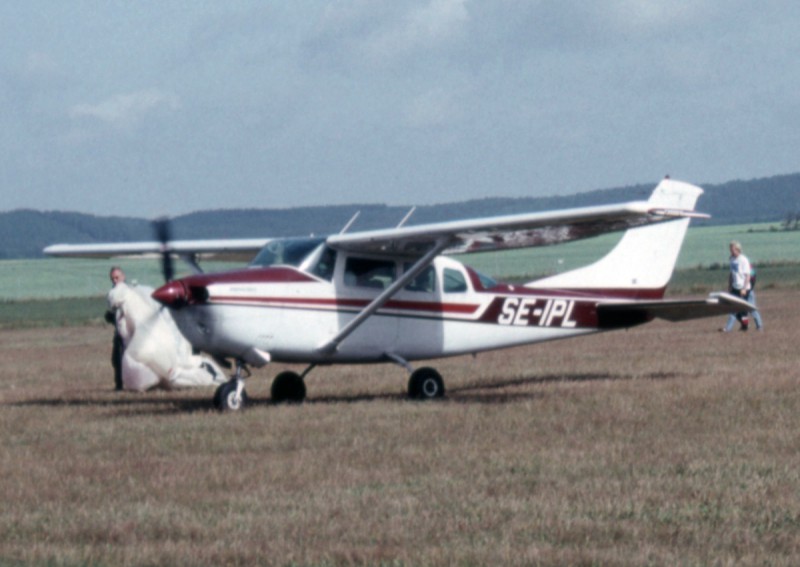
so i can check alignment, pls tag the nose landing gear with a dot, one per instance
(231, 396)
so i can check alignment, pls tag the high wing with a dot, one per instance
(452, 237)
(225, 249)
(511, 231)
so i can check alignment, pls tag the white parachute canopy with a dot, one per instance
(156, 354)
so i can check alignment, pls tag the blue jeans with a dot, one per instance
(733, 317)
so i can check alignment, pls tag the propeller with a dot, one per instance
(162, 229)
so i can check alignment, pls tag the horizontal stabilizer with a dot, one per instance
(626, 314)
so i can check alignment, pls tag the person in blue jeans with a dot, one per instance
(740, 284)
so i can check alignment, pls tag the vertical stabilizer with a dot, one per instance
(642, 262)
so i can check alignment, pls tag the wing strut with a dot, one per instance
(191, 260)
(331, 346)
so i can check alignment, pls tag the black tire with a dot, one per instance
(225, 398)
(288, 387)
(425, 384)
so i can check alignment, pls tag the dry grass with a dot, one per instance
(668, 444)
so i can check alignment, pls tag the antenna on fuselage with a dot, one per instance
(408, 216)
(350, 222)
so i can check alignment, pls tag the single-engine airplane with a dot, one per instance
(395, 295)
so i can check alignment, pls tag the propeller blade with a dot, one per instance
(163, 232)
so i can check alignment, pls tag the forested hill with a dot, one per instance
(23, 233)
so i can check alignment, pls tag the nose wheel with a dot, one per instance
(231, 396)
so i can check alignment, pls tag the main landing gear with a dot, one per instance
(289, 387)
(425, 384)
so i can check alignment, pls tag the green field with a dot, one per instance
(53, 278)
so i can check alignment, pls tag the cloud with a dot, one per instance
(655, 14)
(438, 22)
(432, 108)
(40, 64)
(127, 110)
(383, 34)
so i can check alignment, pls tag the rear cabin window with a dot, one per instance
(425, 282)
(454, 281)
(365, 272)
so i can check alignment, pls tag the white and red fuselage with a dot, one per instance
(290, 313)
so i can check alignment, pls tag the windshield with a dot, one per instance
(285, 251)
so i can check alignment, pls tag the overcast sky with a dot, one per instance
(165, 107)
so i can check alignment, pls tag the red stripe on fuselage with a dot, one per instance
(433, 307)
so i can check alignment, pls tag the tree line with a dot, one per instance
(24, 233)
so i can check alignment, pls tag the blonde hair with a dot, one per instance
(736, 245)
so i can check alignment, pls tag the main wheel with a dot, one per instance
(225, 398)
(425, 384)
(288, 387)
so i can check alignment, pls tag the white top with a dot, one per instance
(740, 270)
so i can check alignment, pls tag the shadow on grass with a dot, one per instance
(120, 401)
(129, 403)
(487, 392)
(492, 391)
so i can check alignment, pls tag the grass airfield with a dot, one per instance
(665, 444)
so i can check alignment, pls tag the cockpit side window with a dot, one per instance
(323, 268)
(366, 272)
(424, 282)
